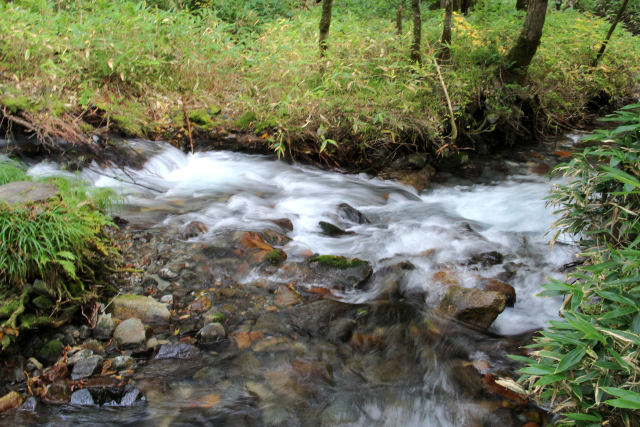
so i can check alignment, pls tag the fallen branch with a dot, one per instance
(186, 118)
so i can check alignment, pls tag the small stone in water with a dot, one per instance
(130, 397)
(82, 398)
(212, 333)
(177, 351)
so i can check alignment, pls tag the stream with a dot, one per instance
(375, 353)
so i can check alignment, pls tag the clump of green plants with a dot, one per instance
(587, 366)
(56, 256)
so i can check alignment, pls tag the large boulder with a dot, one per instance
(147, 309)
(473, 306)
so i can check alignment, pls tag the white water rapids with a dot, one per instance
(438, 229)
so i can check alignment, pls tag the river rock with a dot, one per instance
(82, 398)
(147, 309)
(50, 352)
(350, 213)
(10, 400)
(21, 192)
(474, 306)
(286, 297)
(104, 327)
(274, 238)
(85, 367)
(29, 405)
(78, 356)
(123, 363)
(487, 259)
(283, 223)
(194, 229)
(332, 230)
(313, 318)
(212, 333)
(259, 390)
(178, 350)
(130, 333)
(504, 288)
(332, 272)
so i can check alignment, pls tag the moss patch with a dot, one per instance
(275, 257)
(16, 104)
(339, 262)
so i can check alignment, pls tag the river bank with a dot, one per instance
(200, 80)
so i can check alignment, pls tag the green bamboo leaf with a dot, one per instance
(550, 379)
(583, 417)
(621, 176)
(570, 360)
(623, 403)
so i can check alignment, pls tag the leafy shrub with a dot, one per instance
(587, 365)
(56, 256)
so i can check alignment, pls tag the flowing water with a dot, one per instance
(438, 231)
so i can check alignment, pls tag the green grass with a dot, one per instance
(56, 255)
(366, 93)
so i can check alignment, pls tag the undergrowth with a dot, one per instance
(56, 256)
(587, 366)
(259, 57)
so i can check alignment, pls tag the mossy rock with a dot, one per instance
(275, 257)
(245, 120)
(339, 262)
(51, 351)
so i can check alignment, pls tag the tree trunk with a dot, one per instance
(399, 20)
(466, 5)
(558, 4)
(522, 4)
(445, 51)
(610, 33)
(325, 23)
(525, 48)
(417, 31)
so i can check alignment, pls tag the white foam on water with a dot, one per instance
(438, 229)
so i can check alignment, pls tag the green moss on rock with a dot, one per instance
(339, 262)
(275, 257)
(50, 351)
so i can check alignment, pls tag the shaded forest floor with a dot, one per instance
(120, 68)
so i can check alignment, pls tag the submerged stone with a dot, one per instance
(82, 398)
